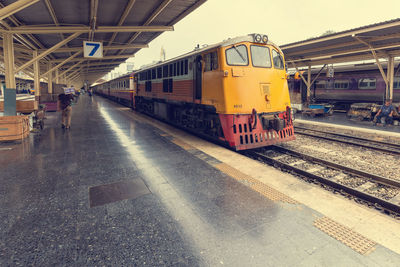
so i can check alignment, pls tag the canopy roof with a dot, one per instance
(124, 27)
(347, 46)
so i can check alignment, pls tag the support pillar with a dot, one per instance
(390, 78)
(36, 81)
(50, 80)
(308, 85)
(57, 77)
(10, 97)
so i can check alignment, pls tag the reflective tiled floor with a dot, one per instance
(159, 204)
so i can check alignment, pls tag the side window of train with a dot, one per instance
(237, 56)
(148, 86)
(396, 83)
(168, 85)
(159, 73)
(367, 83)
(211, 61)
(278, 60)
(320, 84)
(341, 84)
(165, 71)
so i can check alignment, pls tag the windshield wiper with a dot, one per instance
(237, 50)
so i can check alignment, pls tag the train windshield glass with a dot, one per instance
(260, 56)
(237, 55)
(278, 60)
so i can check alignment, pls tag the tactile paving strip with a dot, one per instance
(254, 184)
(182, 144)
(249, 181)
(345, 235)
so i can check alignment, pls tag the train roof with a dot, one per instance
(350, 67)
(228, 42)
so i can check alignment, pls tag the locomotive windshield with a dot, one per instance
(278, 60)
(237, 55)
(260, 56)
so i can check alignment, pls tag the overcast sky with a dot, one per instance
(284, 22)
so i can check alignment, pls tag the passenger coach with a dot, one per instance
(234, 92)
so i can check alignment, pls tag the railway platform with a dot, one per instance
(341, 120)
(120, 188)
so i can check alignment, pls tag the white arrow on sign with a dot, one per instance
(92, 49)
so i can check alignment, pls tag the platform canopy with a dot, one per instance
(346, 46)
(376, 41)
(52, 32)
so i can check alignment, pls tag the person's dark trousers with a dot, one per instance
(388, 120)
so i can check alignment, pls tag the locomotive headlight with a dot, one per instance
(257, 38)
(265, 39)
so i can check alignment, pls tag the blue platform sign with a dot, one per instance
(92, 49)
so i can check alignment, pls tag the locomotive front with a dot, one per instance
(256, 110)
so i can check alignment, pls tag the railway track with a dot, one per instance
(351, 140)
(380, 192)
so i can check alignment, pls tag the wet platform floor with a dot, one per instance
(115, 190)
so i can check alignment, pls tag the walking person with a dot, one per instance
(64, 104)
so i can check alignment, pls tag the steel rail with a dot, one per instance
(389, 206)
(394, 148)
(340, 167)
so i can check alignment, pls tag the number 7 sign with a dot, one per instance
(92, 49)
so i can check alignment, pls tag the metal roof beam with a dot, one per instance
(94, 4)
(92, 68)
(163, 5)
(346, 52)
(106, 48)
(103, 58)
(73, 73)
(62, 63)
(54, 17)
(343, 34)
(84, 29)
(127, 10)
(15, 7)
(114, 63)
(375, 56)
(18, 47)
(70, 68)
(338, 60)
(324, 48)
(24, 40)
(49, 51)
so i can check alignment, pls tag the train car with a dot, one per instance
(119, 89)
(234, 92)
(351, 84)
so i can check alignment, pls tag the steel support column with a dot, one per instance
(36, 72)
(9, 60)
(308, 85)
(390, 78)
(50, 79)
(57, 77)
(10, 104)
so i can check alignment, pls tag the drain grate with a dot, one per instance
(254, 184)
(109, 193)
(345, 235)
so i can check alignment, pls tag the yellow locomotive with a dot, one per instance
(234, 92)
